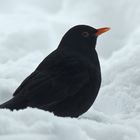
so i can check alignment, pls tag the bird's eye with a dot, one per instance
(85, 34)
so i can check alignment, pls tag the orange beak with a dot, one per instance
(102, 30)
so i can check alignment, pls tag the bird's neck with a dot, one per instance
(80, 51)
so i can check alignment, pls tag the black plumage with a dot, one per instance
(67, 81)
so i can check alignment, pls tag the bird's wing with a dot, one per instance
(60, 80)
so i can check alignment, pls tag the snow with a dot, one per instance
(31, 29)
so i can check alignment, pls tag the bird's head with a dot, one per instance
(82, 36)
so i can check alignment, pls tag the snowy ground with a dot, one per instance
(31, 29)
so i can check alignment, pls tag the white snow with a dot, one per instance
(31, 29)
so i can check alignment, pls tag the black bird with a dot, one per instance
(68, 80)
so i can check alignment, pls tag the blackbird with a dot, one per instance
(68, 80)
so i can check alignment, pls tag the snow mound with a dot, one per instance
(38, 124)
(121, 77)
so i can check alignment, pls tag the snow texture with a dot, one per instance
(31, 29)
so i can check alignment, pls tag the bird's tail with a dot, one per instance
(14, 103)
